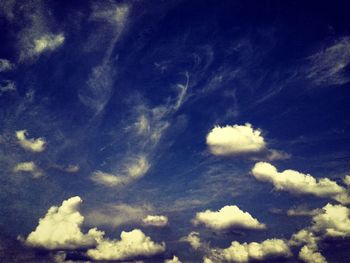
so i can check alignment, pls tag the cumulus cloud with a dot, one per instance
(299, 183)
(193, 239)
(34, 145)
(347, 180)
(310, 254)
(245, 252)
(48, 42)
(236, 139)
(133, 170)
(227, 217)
(328, 67)
(155, 220)
(60, 228)
(131, 244)
(175, 259)
(334, 221)
(5, 65)
(29, 167)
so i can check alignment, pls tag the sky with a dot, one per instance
(174, 131)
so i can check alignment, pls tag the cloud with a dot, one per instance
(155, 220)
(5, 65)
(29, 167)
(7, 86)
(131, 245)
(334, 221)
(328, 67)
(34, 145)
(302, 211)
(193, 239)
(60, 228)
(182, 93)
(236, 139)
(245, 252)
(299, 183)
(48, 42)
(119, 214)
(175, 259)
(347, 180)
(311, 255)
(227, 217)
(135, 169)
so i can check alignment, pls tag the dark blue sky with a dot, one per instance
(114, 102)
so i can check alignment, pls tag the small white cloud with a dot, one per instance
(299, 183)
(309, 254)
(236, 139)
(347, 180)
(227, 217)
(193, 239)
(5, 65)
(48, 42)
(29, 167)
(34, 145)
(270, 248)
(131, 245)
(155, 220)
(60, 228)
(133, 170)
(175, 259)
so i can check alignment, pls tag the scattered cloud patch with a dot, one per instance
(131, 245)
(227, 217)
(155, 220)
(347, 180)
(34, 145)
(48, 42)
(245, 252)
(236, 139)
(7, 86)
(60, 228)
(5, 65)
(29, 167)
(327, 67)
(135, 169)
(302, 211)
(299, 183)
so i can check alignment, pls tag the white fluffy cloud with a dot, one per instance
(131, 244)
(34, 145)
(236, 139)
(60, 228)
(227, 217)
(155, 220)
(347, 180)
(175, 259)
(245, 252)
(29, 167)
(48, 42)
(334, 221)
(310, 254)
(133, 170)
(299, 183)
(193, 239)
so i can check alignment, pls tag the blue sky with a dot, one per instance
(174, 131)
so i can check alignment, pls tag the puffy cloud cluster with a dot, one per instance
(34, 145)
(48, 42)
(236, 139)
(29, 167)
(245, 252)
(299, 183)
(131, 244)
(60, 228)
(227, 217)
(155, 220)
(133, 170)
